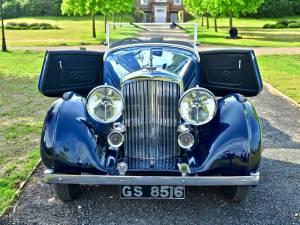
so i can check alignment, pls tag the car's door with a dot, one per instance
(230, 71)
(64, 71)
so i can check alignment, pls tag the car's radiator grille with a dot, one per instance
(151, 119)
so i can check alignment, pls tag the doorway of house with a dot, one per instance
(160, 14)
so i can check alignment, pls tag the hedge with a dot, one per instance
(33, 26)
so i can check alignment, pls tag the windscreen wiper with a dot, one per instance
(139, 27)
(174, 25)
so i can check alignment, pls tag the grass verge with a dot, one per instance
(22, 110)
(282, 72)
(251, 32)
(73, 31)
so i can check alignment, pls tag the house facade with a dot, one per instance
(161, 11)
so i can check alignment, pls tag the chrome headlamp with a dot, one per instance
(197, 106)
(105, 104)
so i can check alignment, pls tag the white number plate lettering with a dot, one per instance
(164, 192)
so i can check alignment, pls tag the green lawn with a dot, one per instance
(283, 73)
(23, 108)
(77, 31)
(251, 32)
(74, 31)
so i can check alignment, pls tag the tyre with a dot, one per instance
(236, 193)
(67, 192)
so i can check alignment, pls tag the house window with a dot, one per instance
(160, 0)
(144, 2)
(177, 2)
(147, 17)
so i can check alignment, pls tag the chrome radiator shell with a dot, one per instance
(151, 119)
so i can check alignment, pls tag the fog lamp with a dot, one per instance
(115, 139)
(186, 140)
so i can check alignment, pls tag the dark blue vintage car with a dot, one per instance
(151, 116)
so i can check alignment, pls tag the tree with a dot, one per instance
(82, 7)
(4, 48)
(238, 7)
(214, 9)
(121, 7)
(197, 8)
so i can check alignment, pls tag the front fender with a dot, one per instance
(68, 143)
(235, 144)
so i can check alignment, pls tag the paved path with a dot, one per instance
(275, 201)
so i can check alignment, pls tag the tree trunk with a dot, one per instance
(105, 22)
(202, 20)
(207, 20)
(230, 20)
(216, 24)
(121, 19)
(114, 18)
(4, 49)
(94, 25)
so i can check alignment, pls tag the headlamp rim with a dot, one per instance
(109, 142)
(91, 114)
(201, 89)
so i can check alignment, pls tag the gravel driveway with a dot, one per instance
(275, 201)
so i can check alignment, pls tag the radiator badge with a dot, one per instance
(184, 168)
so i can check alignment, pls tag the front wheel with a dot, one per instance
(67, 192)
(236, 193)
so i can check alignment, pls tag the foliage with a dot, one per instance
(253, 34)
(280, 26)
(283, 24)
(66, 35)
(93, 7)
(239, 7)
(17, 8)
(269, 25)
(294, 25)
(104, 7)
(278, 8)
(33, 26)
(224, 7)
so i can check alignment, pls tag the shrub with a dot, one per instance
(267, 26)
(11, 24)
(13, 28)
(55, 27)
(23, 24)
(292, 21)
(294, 25)
(33, 25)
(44, 25)
(283, 22)
(34, 28)
(280, 26)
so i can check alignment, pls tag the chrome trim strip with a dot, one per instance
(253, 179)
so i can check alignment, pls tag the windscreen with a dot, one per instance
(131, 33)
(129, 60)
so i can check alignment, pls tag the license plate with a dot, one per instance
(145, 191)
